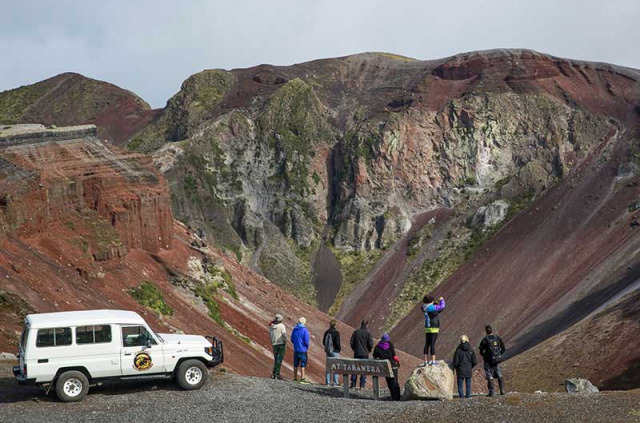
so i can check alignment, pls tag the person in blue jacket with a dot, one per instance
(300, 341)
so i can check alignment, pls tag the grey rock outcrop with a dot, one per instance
(580, 386)
(491, 215)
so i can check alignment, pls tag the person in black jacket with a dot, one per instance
(331, 342)
(361, 344)
(464, 360)
(385, 351)
(491, 349)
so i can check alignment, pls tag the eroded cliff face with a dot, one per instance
(63, 175)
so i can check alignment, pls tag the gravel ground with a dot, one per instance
(230, 398)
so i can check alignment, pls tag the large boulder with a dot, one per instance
(5, 356)
(580, 386)
(430, 382)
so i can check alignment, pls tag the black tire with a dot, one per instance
(192, 374)
(72, 386)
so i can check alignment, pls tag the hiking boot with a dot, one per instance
(490, 386)
(424, 364)
(501, 385)
(273, 375)
(295, 381)
(304, 382)
(278, 377)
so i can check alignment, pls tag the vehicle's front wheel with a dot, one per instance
(72, 386)
(192, 374)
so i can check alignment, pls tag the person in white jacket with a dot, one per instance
(278, 336)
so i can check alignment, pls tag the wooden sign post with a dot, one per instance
(359, 366)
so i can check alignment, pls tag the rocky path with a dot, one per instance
(230, 398)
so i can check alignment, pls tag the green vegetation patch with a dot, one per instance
(13, 103)
(354, 266)
(397, 57)
(280, 264)
(221, 278)
(207, 293)
(292, 122)
(150, 296)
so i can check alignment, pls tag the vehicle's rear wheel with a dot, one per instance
(72, 386)
(192, 374)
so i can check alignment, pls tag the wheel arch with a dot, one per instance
(80, 369)
(183, 359)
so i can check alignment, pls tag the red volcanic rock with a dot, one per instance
(74, 171)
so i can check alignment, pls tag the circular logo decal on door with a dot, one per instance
(142, 361)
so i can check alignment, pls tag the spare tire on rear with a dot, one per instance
(192, 374)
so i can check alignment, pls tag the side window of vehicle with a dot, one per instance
(136, 336)
(53, 337)
(102, 334)
(93, 334)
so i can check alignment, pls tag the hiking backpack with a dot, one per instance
(494, 349)
(328, 344)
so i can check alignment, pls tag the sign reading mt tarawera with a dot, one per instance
(355, 366)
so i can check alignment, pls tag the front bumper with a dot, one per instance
(217, 356)
(20, 378)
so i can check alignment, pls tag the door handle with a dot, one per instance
(127, 353)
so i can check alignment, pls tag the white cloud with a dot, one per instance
(150, 47)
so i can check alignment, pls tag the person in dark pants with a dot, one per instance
(464, 360)
(385, 351)
(431, 310)
(331, 342)
(278, 336)
(361, 344)
(491, 349)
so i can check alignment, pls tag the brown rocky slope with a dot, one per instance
(83, 224)
(73, 99)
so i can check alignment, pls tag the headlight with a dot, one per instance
(208, 350)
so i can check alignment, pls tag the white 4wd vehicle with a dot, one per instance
(70, 350)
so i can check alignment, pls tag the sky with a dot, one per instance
(151, 46)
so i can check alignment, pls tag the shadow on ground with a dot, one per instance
(11, 392)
